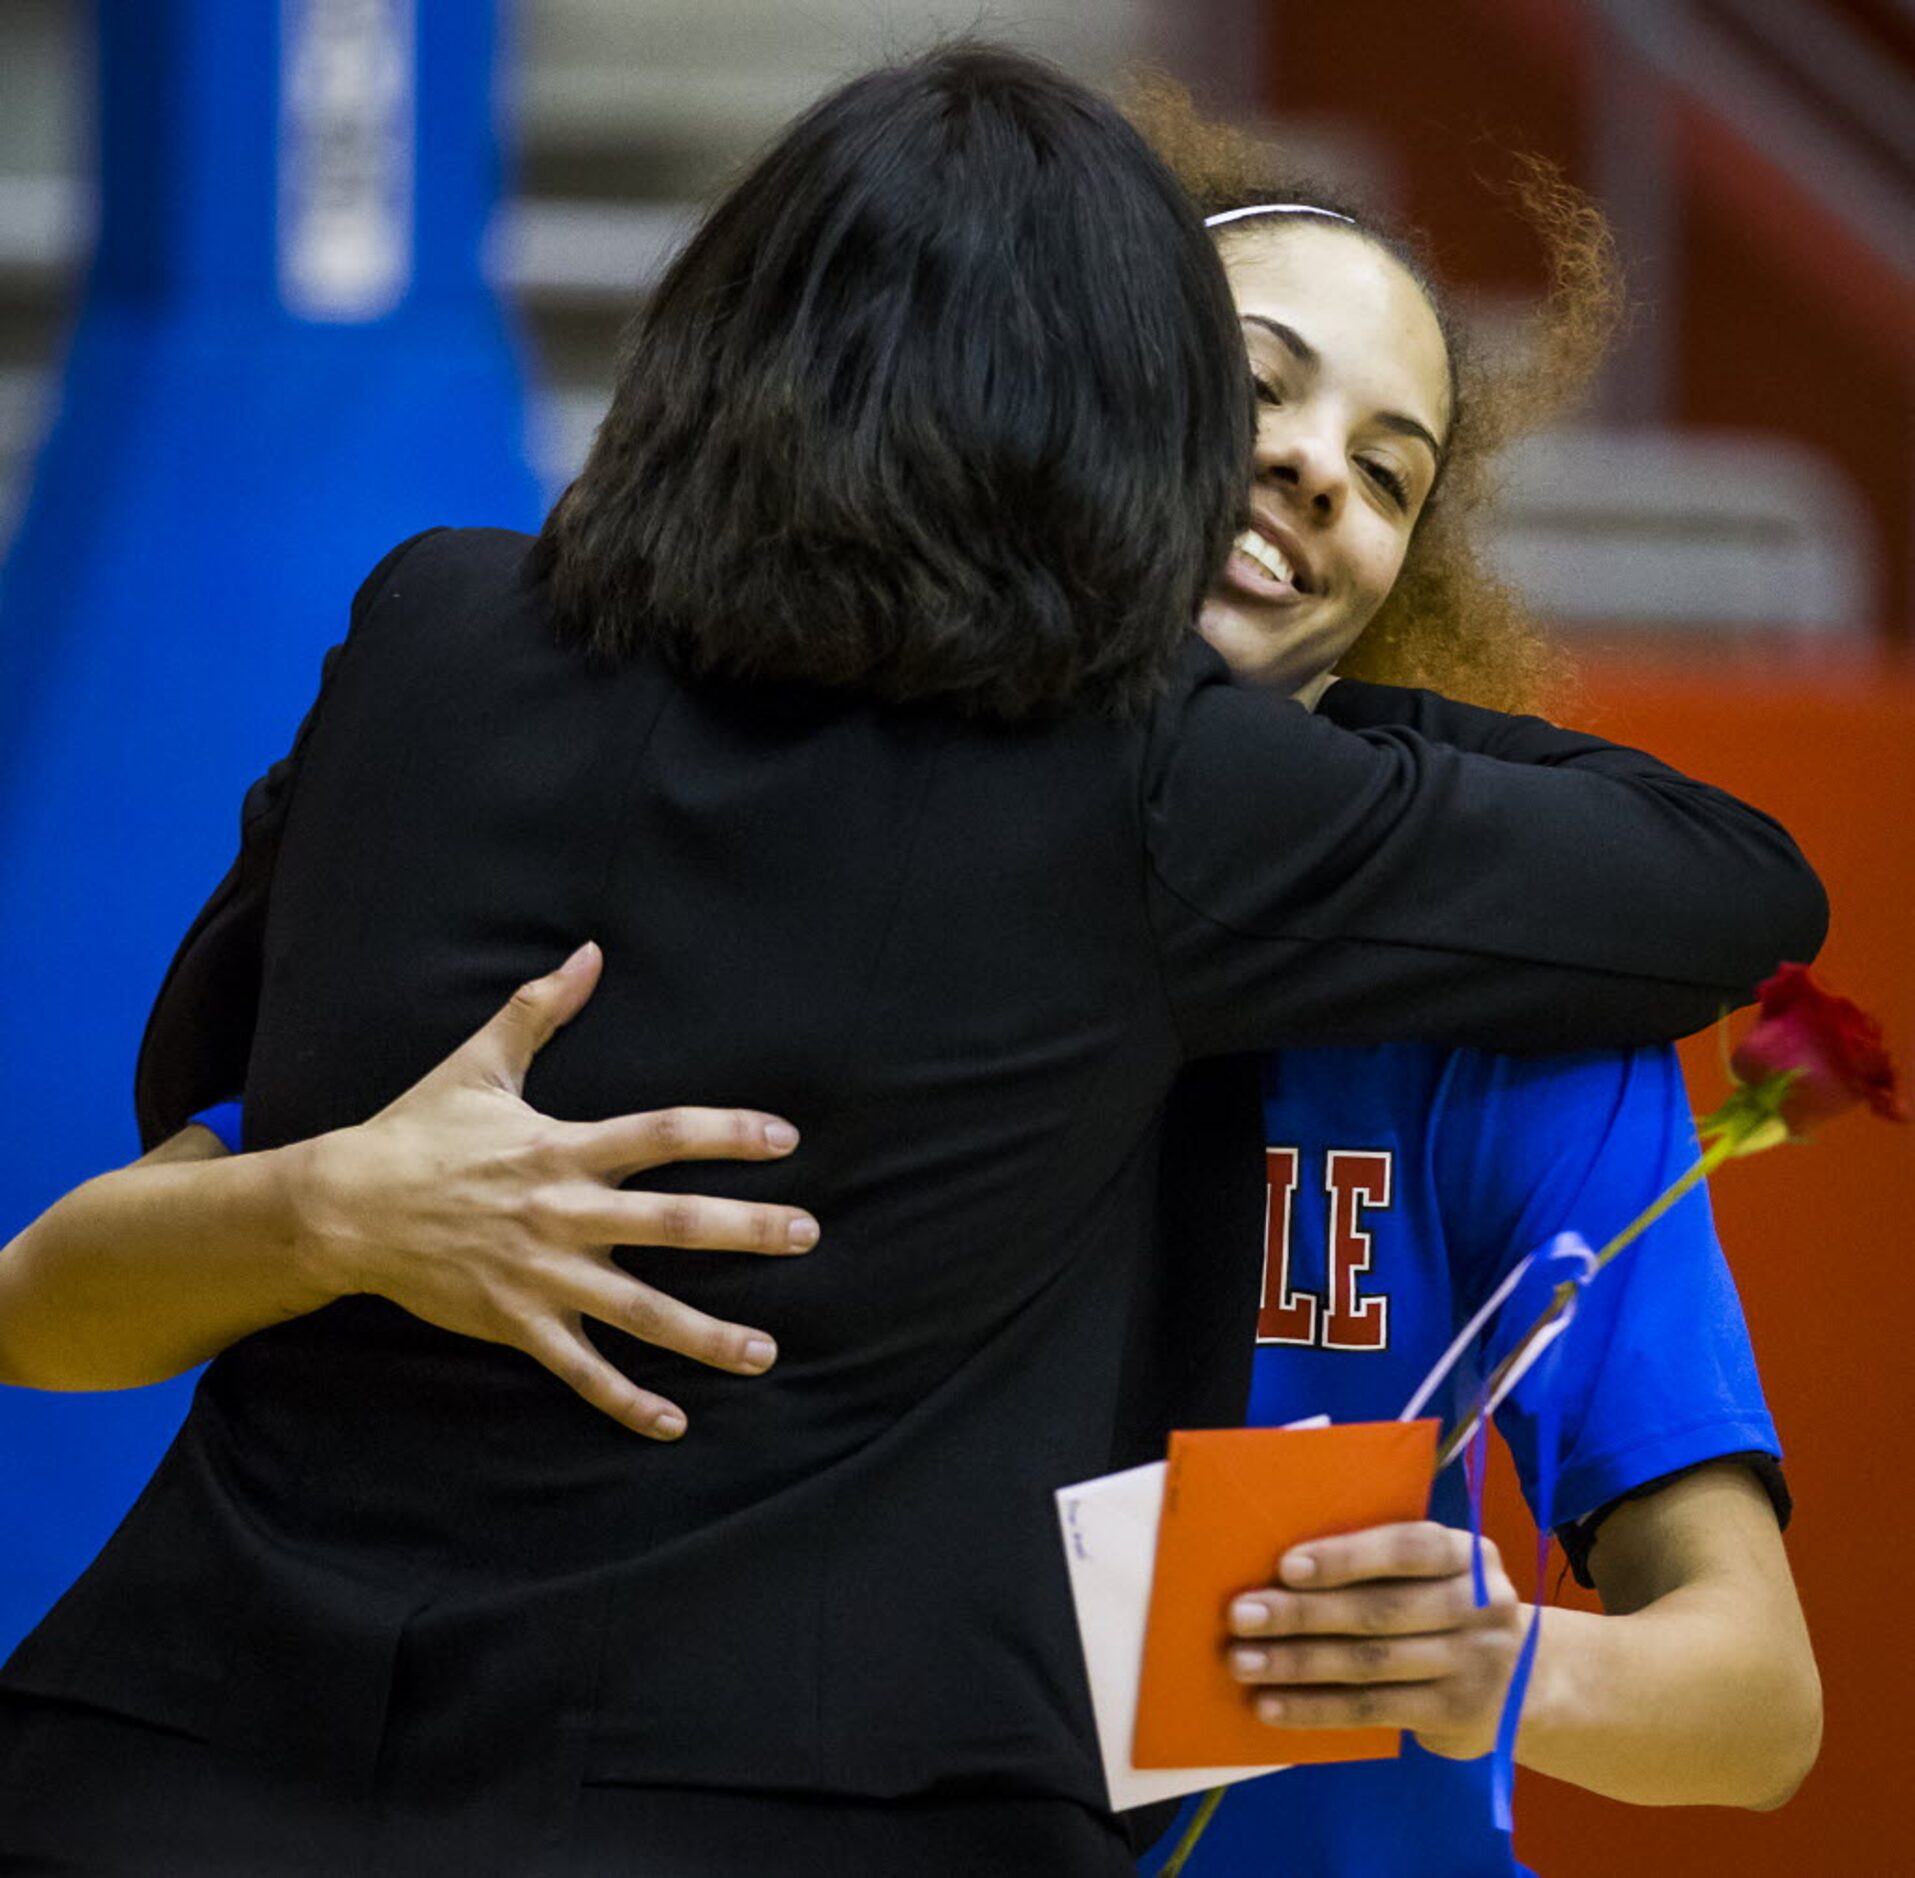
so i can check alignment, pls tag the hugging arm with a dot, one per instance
(457, 1202)
(1521, 887)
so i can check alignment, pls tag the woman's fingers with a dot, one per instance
(629, 1144)
(532, 1203)
(1412, 1549)
(501, 1051)
(1351, 1659)
(567, 1352)
(1425, 1708)
(1386, 1581)
(1381, 1629)
(1447, 1689)
(1393, 1608)
(604, 1217)
(607, 1295)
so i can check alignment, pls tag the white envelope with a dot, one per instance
(1110, 1544)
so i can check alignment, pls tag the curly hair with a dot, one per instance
(1450, 622)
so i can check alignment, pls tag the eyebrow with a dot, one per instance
(1293, 341)
(1307, 355)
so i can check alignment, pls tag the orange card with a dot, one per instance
(1235, 1500)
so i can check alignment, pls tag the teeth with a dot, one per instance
(1268, 558)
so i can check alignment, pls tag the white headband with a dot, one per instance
(1277, 208)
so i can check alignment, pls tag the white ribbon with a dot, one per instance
(1566, 1245)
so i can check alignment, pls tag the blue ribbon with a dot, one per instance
(1545, 1398)
(1475, 1472)
(1548, 1417)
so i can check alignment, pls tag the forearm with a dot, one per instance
(145, 1271)
(1678, 1704)
(1712, 888)
(1307, 886)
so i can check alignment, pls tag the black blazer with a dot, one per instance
(969, 962)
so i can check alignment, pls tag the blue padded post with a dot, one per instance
(288, 358)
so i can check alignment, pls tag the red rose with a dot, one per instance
(1834, 1047)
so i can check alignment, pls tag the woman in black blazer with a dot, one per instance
(849, 702)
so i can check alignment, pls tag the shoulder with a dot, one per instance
(1325, 1088)
(1225, 764)
(1489, 1099)
(1562, 1118)
(445, 598)
(436, 557)
(1538, 1095)
(1201, 697)
(1523, 1147)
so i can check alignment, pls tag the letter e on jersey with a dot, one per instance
(1355, 1181)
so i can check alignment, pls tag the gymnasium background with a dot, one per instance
(282, 281)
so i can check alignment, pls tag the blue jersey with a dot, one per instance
(1405, 1182)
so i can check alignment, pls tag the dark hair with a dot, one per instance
(945, 400)
(1450, 622)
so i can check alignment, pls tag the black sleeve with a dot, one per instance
(1367, 880)
(199, 1033)
(1513, 739)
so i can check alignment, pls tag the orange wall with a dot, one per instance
(1822, 1242)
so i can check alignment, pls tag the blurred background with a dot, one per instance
(1746, 468)
(282, 281)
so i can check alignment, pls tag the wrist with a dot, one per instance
(1473, 1737)
(1468, 1742)
(322, 1254)
(1564, 1703)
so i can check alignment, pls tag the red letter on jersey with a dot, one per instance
(1287, 1316)
(1355, 1178)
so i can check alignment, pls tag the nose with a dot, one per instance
(1303, 460)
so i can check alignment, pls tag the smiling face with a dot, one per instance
(1353, 404)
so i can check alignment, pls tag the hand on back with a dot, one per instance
(468, 1208)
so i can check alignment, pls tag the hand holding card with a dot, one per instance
(1235, 1500)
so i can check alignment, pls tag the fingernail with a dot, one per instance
(1246, 1614)
(1249, 1662)
(1269, 1708)
(802, 1234)
(668, 1424)
(781, 1135)
(761, 1352)
(1299, 1568)
(579, 954)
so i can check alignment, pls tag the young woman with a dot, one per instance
(850, 699)
(1405, 1183)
